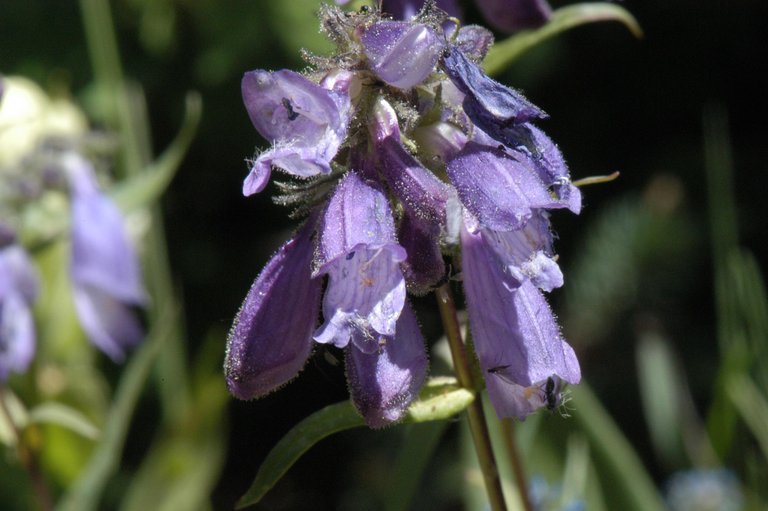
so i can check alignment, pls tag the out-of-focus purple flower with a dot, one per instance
(104, 267)
(305, 123)
(18, 290)
(517, 340)
(401, 53)
(407, 9)
(513, 15)
(271, 337)
(383, 383)
(504, 15)
(358, 250)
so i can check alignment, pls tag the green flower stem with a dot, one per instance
(477, 423)
(29, 460)
(508, 433)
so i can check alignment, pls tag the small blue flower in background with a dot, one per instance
(704, 490)
(409, 154)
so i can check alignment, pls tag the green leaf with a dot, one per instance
(503, 53)
(660, 392)
(145, 187)
(752, 406)
(66, 417)
(440, 399)
(630, 486)
(85, 493)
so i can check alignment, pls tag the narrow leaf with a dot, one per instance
(503, 53)
(64, 416)
(146, 187)
(752, 406)
(440, 399)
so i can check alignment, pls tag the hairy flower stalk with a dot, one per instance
(424, 158)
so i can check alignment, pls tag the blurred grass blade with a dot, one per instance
(576, 470)
(440, 399)
(146, 187)
(752, 406)
(505, 52)
(627, 484)
(660, 392)
(413, 456)
(64, 416)
(85, 493)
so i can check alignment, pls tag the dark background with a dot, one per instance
(616, 103)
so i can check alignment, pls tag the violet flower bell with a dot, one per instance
(19, 286)
(383, 384)
(401, 53)
(105, 272)
(358, 250)
(305, 122)
(517, 340)
(271, 338)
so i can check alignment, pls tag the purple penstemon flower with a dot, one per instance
(106, 277)
(18, 289)
(304, 121)
(412, 154)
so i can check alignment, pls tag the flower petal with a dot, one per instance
(498, 189)
(516, 336)
(358, 250)
(401, 53)
(384, 383)
(305, 122)
(424, 268)
(271, 337)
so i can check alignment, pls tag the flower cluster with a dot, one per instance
(423, 157)
(39, 163)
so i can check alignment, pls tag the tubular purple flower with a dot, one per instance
(401, 53)
(527, 253)
(384, 383)
(358, 250)
(512, 15)
(498, 189)
(18, 290)
(423, 194)
(305, 122)
(424, 268)
(271, 338)
(105, 270)
(517, 340)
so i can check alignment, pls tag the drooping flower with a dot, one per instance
(18, 290)
(305, 123)
(517, 339)
(264, 350)
(383, 383)
(358, 250)
(434, 158)
(105, 272)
